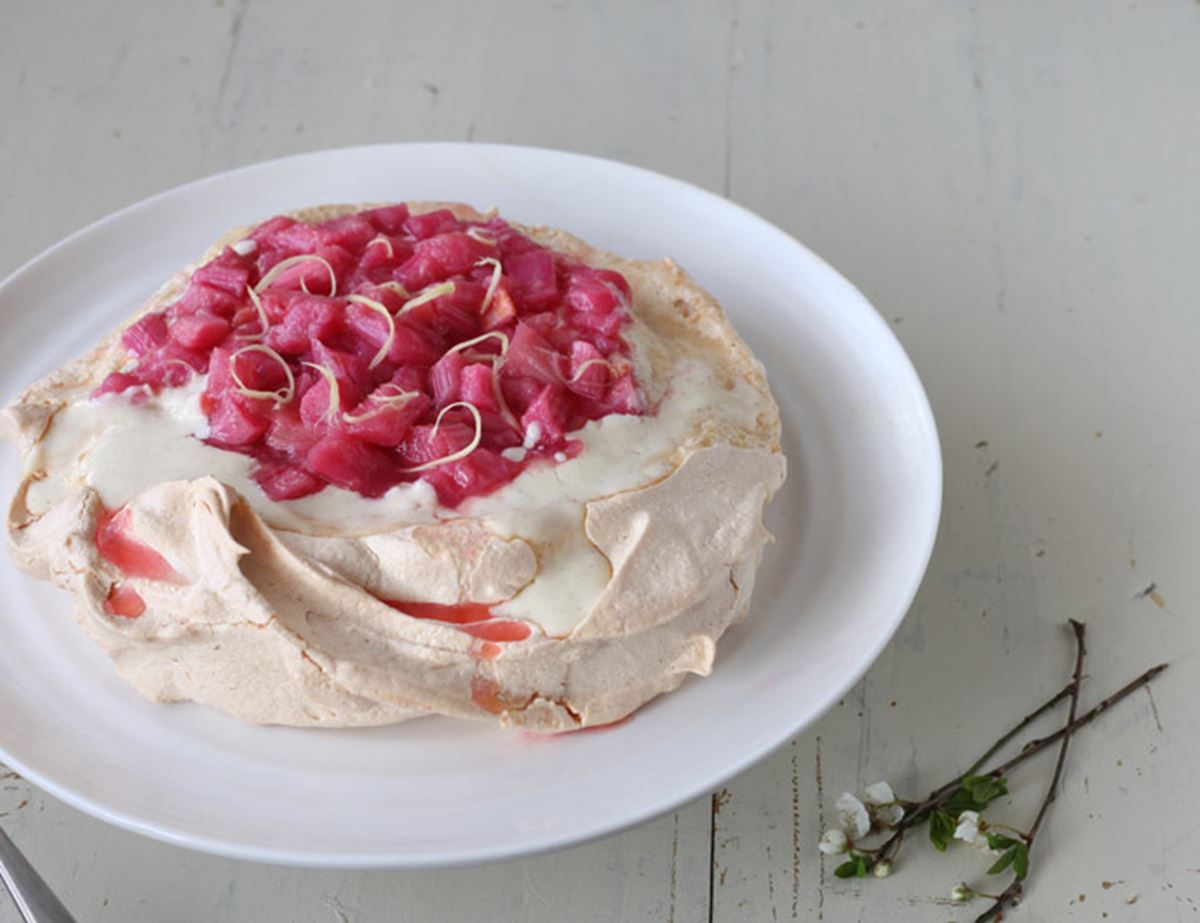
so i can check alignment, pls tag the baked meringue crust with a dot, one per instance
(274, 623)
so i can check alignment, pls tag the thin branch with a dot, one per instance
(918, 813)
(1035, 747)
(1063, 693)
(1013, 890)
(1072, 711)
(936, 796)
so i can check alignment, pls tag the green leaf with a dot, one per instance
(941, 829)
(962, 800)
(985, 789)
(846, 869)
(975, 794)
(854, 867)
(1021, 860)
(1004, 861)
(996, 841)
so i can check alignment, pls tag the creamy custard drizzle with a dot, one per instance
(121, 449)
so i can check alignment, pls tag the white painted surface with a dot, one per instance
(1012, 184)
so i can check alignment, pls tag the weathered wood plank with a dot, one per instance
(1006, 183)
(658, 871)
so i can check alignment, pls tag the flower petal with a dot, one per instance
(852, 814)
(879, 793)
(833, 842)
(968, 829)
(888, 815)
(968, 826)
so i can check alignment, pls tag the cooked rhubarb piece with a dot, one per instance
(124, 601)
(127, 554)
(379, 348)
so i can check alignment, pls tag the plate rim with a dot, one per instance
(315, 859)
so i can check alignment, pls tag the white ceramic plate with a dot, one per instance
(854, 526)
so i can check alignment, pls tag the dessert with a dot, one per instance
(357, 465)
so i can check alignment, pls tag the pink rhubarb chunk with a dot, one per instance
(397, 350)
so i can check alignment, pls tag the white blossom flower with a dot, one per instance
(883, 869)
(883, 805)
(888, 815)
(853, 815)
(961, 894)
(968, 829)
(833, 842)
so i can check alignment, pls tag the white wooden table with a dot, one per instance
(1016, 187)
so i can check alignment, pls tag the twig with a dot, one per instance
(995, 748)
(1016, 847)
(1035, 747)
(917, 814)
(1013, 890)
(938, 795)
